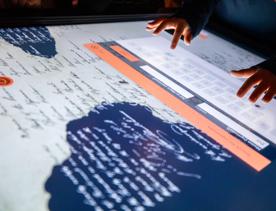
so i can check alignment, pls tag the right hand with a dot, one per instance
(263, 79)
(179, 25)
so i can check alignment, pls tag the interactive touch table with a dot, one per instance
(107, 117)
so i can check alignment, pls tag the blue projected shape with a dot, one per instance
(125, 158)
(36, 41)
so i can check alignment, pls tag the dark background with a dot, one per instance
(53, 12)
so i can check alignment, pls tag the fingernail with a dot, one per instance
(239, 94)
(186, 43)
(252, 100)
(234, 73)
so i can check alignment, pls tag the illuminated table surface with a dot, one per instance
(105, 116)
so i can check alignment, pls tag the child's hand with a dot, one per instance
(264, 79)
(180, 26)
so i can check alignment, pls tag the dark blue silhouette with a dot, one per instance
(36, 41)
(130, 131)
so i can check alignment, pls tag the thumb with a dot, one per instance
(245, 73)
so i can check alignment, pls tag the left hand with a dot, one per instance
(264, 80)
(180, 26)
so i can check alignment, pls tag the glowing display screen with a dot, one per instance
(107, 117)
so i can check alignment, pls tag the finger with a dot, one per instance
(155, 23)
(188, 36)
(150, 29)
(244, 73)
(261, 88)
(161, 27)
(177, 35)
(248, 84)
(269, 95)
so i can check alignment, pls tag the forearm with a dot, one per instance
(197, 13)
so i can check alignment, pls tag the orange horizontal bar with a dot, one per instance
(231, 143)
(124, 53)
